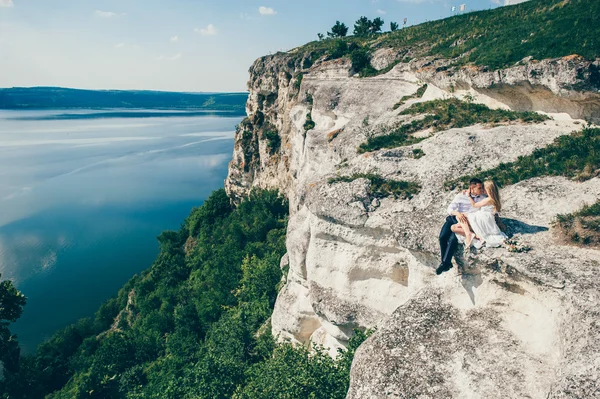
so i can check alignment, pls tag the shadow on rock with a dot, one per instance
(514, 226)
(470, 275)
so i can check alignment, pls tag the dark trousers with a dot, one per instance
(448, 241)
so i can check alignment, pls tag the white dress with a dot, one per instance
(484, 225)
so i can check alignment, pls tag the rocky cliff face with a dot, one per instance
(508, 325)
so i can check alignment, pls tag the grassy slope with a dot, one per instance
(575, 156)
(495, 38)
(443, 115)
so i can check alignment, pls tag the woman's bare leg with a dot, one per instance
(457, 228)
(467, 233)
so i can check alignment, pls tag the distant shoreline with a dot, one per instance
(52, 98)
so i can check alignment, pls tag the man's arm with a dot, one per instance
(453, 210)
(453, 207)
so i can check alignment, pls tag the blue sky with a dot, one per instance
(178, 45)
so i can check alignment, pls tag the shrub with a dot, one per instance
(361, 59)
(418, 153)
(340, 49)
(381, 187)
(581, 227)
(298, 81)
(273, 139)
(309, 123)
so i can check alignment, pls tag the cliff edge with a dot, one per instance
(365, 214)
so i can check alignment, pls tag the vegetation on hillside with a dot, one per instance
(494, 38)
(381, 187)
(194, 325)
(581, 227)
(443, 115)
(11, 308)
(575, 156)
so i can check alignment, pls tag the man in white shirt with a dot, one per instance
(456, 211)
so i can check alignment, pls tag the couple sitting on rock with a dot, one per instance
(473, 219)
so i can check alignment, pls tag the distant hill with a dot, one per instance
(61, 98)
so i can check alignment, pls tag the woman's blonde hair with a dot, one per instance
(492, 191)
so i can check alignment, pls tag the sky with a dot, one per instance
(175, 45)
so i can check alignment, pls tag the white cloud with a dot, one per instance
(119, 45)
(175, 39)
(6, 3)
(171, 58)
(210, 30)
(266, 10)
(512, 2)
(106, 14)
(245, 16)
(381, 12)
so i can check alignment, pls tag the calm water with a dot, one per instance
(83, 198)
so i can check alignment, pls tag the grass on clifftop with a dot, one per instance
(581, 227)
(444, 115)
(495, 38)
(576, 156)
(380, 187)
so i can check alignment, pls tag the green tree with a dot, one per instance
(362, 27)
(393, 26)
(11, 308)
(338, 30)
(376, 25)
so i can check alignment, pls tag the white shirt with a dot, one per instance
(462, 204)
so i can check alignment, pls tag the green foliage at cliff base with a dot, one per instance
(194, 325)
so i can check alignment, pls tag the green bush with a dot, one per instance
(273, 139)
(298, 81)
(361, 59)
(581, 227)
(381, 187)
(309, 124)
(294, 372)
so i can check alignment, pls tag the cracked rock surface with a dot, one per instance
(506, 325)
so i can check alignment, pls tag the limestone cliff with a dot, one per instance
(512, 325)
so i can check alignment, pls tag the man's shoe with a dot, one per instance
(442, 268)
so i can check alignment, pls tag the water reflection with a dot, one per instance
(83, 200)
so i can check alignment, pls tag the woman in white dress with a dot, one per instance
(482, 223)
